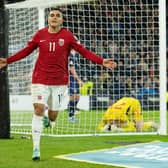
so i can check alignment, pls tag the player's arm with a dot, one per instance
(73, 70)
(31, 45)
(22, 53)
(75, 75)
(137, 115)
(138, 125)
(3, 62)
(109, 63)
(138, 120)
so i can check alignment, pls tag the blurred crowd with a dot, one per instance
(126, 31)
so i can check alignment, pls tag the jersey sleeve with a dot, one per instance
(85, 52)
(31, 45)
(137, 111)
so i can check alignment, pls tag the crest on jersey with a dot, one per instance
(61, 42)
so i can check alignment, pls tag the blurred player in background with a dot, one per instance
(125, 115)
(50, 75)
(74, 84)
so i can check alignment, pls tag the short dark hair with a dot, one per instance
(58, 9)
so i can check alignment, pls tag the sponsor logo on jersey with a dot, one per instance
(61, 42)
(42, 41)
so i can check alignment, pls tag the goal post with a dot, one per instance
(4, 92)
(162, 62)
(130, 32)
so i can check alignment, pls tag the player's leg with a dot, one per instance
(39, 96)
(73, 100)
(37, 127)
(50, 119)
(149, 125)
(54, 102)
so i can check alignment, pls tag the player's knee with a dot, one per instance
(39, 109)
(77, 97)
(52, 115)
(74, 97)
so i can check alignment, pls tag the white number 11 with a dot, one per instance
(52, 46)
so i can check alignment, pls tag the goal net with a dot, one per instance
(129, 32)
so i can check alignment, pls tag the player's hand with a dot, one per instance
(3, 62)
(109, 63)
(80, 82)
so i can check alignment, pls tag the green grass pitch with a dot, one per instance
(16, 152)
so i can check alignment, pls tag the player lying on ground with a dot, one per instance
(125, 115)
(50, 75)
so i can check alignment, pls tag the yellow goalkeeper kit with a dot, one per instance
(127, 111)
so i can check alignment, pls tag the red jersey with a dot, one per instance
(51, 67)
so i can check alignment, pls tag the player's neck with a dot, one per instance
(53, 29)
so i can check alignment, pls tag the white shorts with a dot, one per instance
(49, 95)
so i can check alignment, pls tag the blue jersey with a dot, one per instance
(73, 83)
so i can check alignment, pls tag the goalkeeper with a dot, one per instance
(123, 116)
